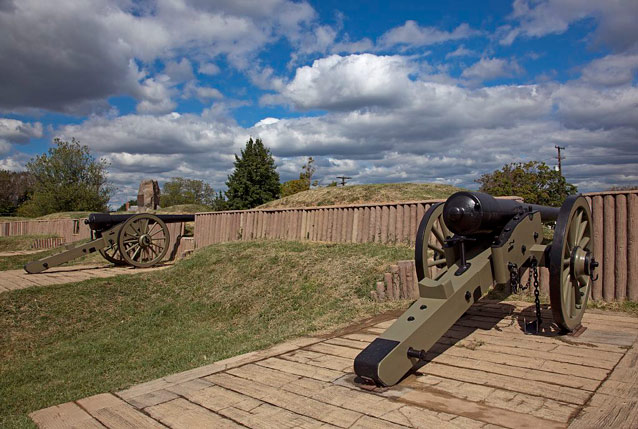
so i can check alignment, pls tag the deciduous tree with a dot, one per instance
(14, 190)
(179, 190)
(304, 182)
(67, 178)
(534, 181)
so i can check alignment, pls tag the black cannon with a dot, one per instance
(141, 240)
(469, 213)
(466, 245)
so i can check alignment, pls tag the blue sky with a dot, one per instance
(380, 91)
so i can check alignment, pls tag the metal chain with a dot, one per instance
(529, 282)
(514, 277)
(537, 300)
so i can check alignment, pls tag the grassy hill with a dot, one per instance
(359, 194)
(65, 342)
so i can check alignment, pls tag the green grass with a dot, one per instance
(629, 307)
(64, 215)
(65, 342)
(19, 242)
(184, 208)
(360, 194)
(13, 218)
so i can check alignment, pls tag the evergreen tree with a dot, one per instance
(219, 203)
(255, 180)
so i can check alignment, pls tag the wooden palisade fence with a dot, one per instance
(68, 229)
(615, 218)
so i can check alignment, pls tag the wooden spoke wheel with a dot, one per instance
(112, 254)
(143, 240)
(429, 256)
(571, 263)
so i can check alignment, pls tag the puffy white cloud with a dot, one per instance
(616, 20)
(412, 34)
(266, 121)
(88, 51)
(156, 95)
(16, 131)
(611, 70)
(429, 132)
(347, 46)
(461, 51)
(146, 134)
(491, 68)
(5, 147)
(400, 126)
(350, 82)
(210, 69)
(585, 107)
(179, 71)
(203, 93)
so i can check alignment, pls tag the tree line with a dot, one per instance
(69, 178)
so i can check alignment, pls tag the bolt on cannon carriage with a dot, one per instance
(466, 245)
(140, 240)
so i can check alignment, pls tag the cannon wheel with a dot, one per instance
(143, 240)
(112, 254)
(429, 256)
(570, 255)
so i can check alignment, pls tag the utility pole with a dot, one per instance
(343, 179)
(560, 169)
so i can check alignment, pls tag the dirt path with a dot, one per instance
(483, 373)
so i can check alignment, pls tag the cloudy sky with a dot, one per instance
(395, 91)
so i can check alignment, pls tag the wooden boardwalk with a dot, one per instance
(484, 373)
(19, 279)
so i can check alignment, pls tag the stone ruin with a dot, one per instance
(148, 196)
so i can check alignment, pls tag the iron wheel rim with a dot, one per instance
(429, 256)
(573, 233)
(143, 240)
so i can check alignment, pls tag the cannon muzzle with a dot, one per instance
(468, 213)
(103, 221)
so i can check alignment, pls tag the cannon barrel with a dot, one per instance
(102, 221)
(468, 213)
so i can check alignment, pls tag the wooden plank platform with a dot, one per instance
(19, 279)
(484, 373)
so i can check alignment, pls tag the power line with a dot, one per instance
(343, 179)
(560, 169)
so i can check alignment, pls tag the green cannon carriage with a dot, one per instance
(466, 245)
(140, 240)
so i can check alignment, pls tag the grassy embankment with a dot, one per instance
(19, 242)
(64, 342)
(361, 194)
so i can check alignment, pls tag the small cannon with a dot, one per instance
(140, 240)
(463, 247)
